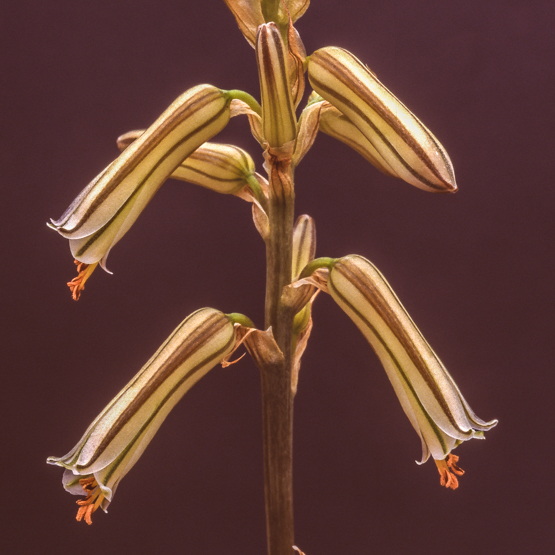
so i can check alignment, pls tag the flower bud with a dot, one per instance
(249, 14)
(407, 147)
(279, 124)
(219, 167)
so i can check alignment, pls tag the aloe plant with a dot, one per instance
(348, 103)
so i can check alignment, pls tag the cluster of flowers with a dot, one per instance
(350, 104)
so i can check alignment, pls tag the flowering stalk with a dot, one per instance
(348, 103)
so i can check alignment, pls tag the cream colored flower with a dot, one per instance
(117, 438)
(429, 396)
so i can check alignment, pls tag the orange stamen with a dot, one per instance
(93, 500)
(452, 464)
(447, 469)
(77, 284)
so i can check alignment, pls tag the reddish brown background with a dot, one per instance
(474, 269)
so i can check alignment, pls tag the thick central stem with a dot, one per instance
(277, 398)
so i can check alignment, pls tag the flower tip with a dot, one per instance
(451, 187)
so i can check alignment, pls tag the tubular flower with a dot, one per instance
(407, 147)
(106, 209)
(429, 396)
(117, 438)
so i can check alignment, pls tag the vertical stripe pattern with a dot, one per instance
(399, 137)
(428, 394)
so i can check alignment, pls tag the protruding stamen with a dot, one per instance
(447, 469)
(77, 284)
(452, 464)
(93, 500)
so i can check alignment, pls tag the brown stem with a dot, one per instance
(277, 398)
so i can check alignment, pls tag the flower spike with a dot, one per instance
(105, 210)
(117, 438)
(429, 396)
(408, 147)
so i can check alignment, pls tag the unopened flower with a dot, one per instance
(429, 396)
(219, 167)
(249, 14)
(407, 147)
(117, 438)
(279, 122)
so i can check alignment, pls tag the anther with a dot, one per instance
(77, 284)
(447, 469)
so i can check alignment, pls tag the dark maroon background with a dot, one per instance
(475, 270)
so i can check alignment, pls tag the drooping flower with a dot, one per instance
(105, 210)
(117, 438)
(429, 396)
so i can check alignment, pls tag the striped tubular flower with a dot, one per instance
(117, 438)
(105, 210)
(408, 147)
(429, 396)
(221, 168)
(279, 124)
